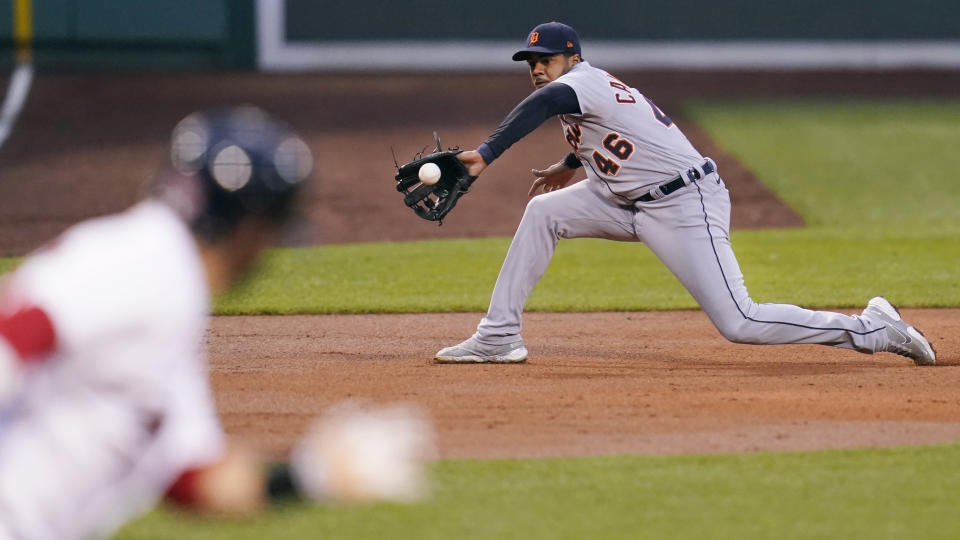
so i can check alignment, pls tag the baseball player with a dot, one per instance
(104, 399)
(645, 183)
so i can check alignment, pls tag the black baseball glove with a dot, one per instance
(434, 202)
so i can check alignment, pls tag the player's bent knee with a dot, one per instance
(538, 205)
(738, 331)
(538, 211)
(547, 206)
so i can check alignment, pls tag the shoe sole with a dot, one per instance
(516, 356)
(915, 333)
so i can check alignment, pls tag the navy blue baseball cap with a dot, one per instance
(550, 38)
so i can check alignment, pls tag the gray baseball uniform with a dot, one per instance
(631, 148)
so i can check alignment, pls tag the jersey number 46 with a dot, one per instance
(621, 148)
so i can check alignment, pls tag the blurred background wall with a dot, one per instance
(629, 20)
(435, 34)
(139, 34)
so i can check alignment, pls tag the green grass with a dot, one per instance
(807, 267)
(813, 268)
(8, 264)
(863, 165)
(876, 494)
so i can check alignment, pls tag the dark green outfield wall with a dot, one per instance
(311, 20)
(139, 33)
(211, 34)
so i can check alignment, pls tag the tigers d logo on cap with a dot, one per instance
(550, 38)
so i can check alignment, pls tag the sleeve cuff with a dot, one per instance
(29, 332)
(486, 153)
(572, 161)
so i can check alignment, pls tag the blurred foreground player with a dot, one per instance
(104, 400)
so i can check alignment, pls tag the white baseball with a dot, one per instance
(429, 173)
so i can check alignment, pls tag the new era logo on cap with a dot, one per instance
(550, 38)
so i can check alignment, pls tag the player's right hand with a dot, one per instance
(359, 452)
(552, 178)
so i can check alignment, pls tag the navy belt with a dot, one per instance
(690, 176)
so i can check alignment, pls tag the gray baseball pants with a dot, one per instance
(689, 230)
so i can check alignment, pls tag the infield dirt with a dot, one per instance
(595, 383)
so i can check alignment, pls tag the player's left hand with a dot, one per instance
(552, 178)
(434, 201)
(473, 161)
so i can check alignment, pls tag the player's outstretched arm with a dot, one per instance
(552, 178)
(547, 102)
(355, 452)
(232, 486)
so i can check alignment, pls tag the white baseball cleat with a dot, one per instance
(472, 351)
(902, 338)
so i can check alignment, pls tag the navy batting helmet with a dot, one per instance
(232, 163)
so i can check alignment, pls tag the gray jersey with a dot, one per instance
(621, 137)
